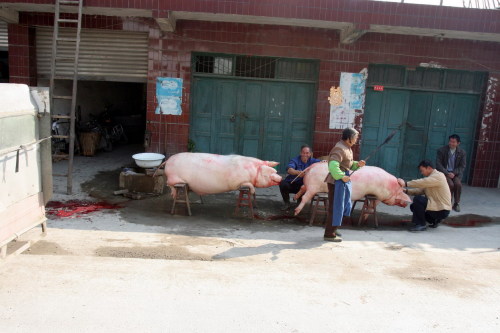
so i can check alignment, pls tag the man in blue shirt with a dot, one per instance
(294, 168)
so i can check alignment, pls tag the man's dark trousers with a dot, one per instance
(287, 187)
(420, 215)
(455, 185)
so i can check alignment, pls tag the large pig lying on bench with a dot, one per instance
(366, 180)
(211, 173)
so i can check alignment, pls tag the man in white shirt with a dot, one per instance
(432, 201)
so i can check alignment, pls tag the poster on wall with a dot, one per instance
(351, 98)
(169, 95)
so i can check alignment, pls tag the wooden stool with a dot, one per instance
(245, 200)
(319, 197)
(369, 208)
(181, 196)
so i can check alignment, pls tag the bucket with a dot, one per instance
(89, 142)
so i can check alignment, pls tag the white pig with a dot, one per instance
(211, 173)
(366, 180)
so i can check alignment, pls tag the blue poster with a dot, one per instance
(168, 95)
(357, 91)
(351, 96)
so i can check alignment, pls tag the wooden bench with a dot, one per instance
(369, 208)
(181, 196)
(315, 207)
(245, 199)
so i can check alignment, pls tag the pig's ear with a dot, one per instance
(272, 164)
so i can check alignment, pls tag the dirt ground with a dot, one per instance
(135, 267)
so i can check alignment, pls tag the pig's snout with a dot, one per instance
(401, 203)
(275, 178)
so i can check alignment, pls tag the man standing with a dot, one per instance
(432, 201)
(451, 161)
(340, 162)
(294, 169)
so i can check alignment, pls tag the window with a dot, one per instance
(256, 67)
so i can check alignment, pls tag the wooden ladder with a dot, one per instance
(72, 10)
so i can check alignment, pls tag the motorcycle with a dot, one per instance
(110, 132)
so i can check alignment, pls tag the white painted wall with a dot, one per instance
(21, 197)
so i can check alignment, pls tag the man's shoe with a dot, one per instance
(435, 224)
(456, 207)
(286, 206)
(418, 227)
(334, 238)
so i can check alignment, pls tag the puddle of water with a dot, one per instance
(76, 207)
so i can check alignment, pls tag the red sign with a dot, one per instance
(378, 88)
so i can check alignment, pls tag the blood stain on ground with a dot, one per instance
(76, 207)
(467, 220)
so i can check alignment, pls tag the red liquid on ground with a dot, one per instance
(76, 207)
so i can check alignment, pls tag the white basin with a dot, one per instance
(148, 160)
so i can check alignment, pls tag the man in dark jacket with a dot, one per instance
(451, 161)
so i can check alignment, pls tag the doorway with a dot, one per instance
(263, 119)
(254, 106)
(423, 121)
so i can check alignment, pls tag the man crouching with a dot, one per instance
(432, 201)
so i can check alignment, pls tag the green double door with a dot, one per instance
(265, 119)
(423, 121)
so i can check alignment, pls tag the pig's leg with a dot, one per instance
(302, 190)
(173, 191)
(305, 199)
(250, 185)
(173, 180)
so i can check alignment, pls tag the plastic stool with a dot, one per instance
(369, 208)
(181, 196)
(318, 197)
(245, 200)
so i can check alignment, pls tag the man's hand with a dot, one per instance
(361, 163)
(401, 182)
(451, 175)
(345, 179)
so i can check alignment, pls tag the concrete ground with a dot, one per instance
(138, 268)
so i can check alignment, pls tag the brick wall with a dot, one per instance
(170, 56)
(487, 159)
(362, 12)
(22, 67)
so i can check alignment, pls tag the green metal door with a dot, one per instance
(435, 116)
(439, 124)
(225, 121)
(463, 120)
(385, 112)
(428, 119)
(263, 119)
(415, 136)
